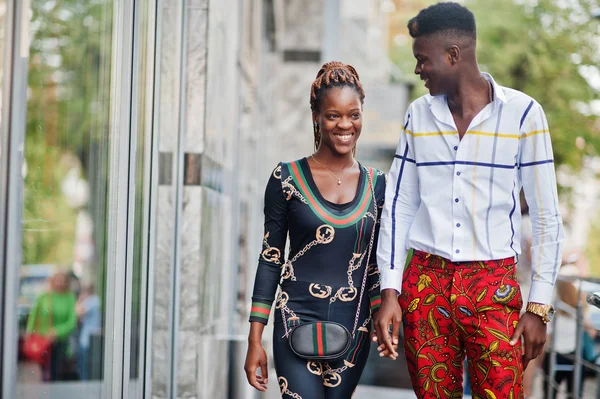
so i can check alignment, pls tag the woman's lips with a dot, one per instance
(344, 138)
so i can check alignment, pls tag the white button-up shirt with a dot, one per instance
(459, 199)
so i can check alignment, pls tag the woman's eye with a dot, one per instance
(331, 116)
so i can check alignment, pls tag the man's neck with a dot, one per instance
(470, 96)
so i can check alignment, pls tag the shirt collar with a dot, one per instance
(439, 104)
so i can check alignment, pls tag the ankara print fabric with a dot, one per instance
(321, 277)
(452, 309)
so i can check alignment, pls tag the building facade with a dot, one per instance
(136, 140)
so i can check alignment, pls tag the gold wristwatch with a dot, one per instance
(546, 312)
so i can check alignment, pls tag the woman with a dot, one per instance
(53, 315)
(326, 204)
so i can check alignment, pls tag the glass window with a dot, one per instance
(62, 276)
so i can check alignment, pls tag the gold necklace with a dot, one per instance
(339, 180)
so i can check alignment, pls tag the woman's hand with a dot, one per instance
(256, 358)
(52, 335)
(389, 314)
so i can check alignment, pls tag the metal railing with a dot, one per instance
(579, 366)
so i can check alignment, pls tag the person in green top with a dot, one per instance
(54, 315)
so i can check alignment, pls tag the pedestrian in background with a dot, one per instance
(54, 317)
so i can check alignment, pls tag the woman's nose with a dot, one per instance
(345, 123)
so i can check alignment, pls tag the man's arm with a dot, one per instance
(536, 166)
(536, 163)
(401, 203)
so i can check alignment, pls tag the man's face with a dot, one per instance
(433, 64)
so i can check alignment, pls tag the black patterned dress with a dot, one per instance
(322, 276)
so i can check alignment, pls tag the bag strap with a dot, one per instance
(50, 312)
(364, 282)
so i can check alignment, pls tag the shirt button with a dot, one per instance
(457, 224)
(455, 147)
(457, 251)
(457, 173)
(456, 199)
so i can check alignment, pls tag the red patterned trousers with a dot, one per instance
(455, 309)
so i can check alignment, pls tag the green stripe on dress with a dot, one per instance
(311, 197)
(262, 305)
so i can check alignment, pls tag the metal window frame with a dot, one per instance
(150, 195)
(121, 200)
(12, 136)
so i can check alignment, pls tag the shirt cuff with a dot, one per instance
(541, 292)
(375, 302)
(391, 278)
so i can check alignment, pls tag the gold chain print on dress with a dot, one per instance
(289, 190)
(315, 368)
(348, 294)
(283, 386)
(270, 254)
(324, 235)
(320, 291)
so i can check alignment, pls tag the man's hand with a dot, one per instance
(389, 314)
(533, 329)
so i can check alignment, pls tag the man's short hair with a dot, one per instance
(443, 18)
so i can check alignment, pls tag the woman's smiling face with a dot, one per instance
(340, 119)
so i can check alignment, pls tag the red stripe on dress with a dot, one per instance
(317, 206)
(260, 310)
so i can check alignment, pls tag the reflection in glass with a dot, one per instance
(64, 210)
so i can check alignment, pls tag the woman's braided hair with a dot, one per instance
(332, 74)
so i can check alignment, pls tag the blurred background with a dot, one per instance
(136, 139)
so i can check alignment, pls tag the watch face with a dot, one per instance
(551, 313)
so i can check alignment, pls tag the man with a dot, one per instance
(464, 154)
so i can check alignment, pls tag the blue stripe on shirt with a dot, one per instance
(525, 114)
(404, 158)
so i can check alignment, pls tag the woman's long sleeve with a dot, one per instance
(272, 257)
(65, 327)
(373, 280)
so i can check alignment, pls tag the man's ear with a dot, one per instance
(453, 54)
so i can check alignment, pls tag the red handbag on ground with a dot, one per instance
(36, 347)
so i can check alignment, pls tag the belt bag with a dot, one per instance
(328, 340)
(320, 340)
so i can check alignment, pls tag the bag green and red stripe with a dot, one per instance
(319, 339)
